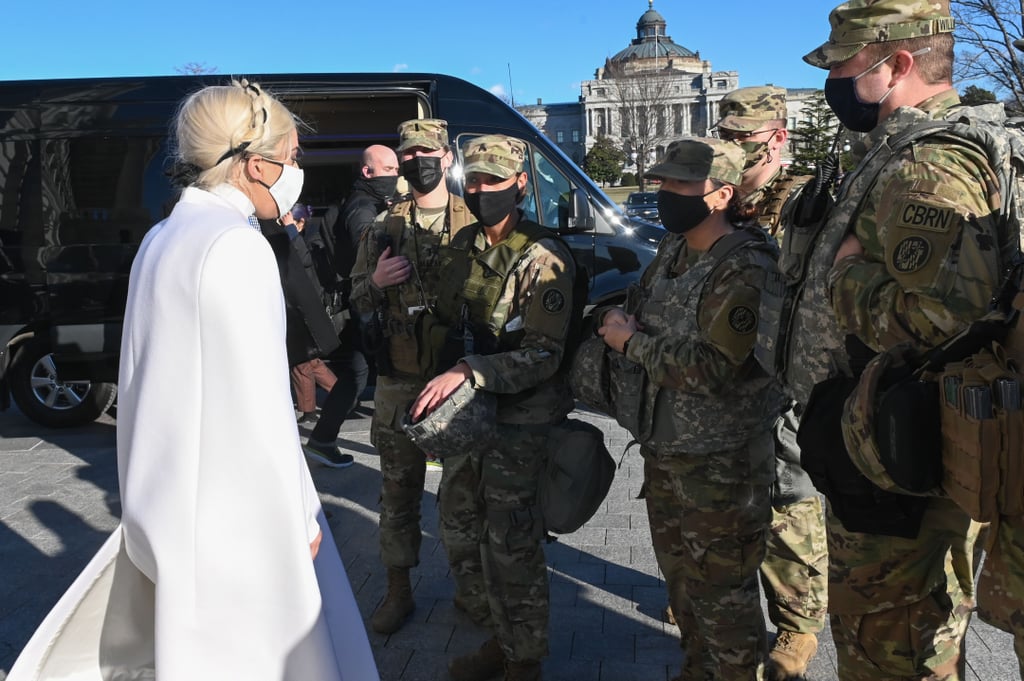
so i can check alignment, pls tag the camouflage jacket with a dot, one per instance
(931, 260)
(930, 263)
(404, 302)
(698, 320)
(533, 315)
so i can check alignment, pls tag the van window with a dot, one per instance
(104, 189)
(547, 192)
(19, 183)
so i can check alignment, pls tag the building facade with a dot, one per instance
(648, 94)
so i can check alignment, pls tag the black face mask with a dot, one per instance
(680, 213)
(850, 109)
(382, 186)
(423, 173)
(490, 208)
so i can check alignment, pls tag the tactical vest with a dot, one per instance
(408, 301)
(472, 318)
(675, 420)
(769, 209)
(472, 287)
(798, 337)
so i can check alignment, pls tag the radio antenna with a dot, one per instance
(511, 95)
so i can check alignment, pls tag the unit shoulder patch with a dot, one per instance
(914, 214)
(742, 319)
(553, 301)
(911, 254)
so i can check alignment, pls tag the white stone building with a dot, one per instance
(648, 94)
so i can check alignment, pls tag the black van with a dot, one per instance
(83, 177)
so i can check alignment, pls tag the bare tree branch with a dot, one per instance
(195, 68)
(985, 31)
(644, 115)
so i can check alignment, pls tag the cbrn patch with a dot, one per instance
(553, 301)
(911, 254)
(916, 215)
(742, 320)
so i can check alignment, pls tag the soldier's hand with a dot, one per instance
(617, 331)
(615, 316)
(438, 390)
(390, 269)
(850, 246)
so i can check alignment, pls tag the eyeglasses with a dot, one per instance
(293, 161)
(739, 136)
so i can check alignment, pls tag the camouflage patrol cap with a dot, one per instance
(857, 23)
(749, 108)
(498, 155)
(699, 158)
(430, 133)
(464, 420)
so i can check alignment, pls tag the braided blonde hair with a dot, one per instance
(219, 126)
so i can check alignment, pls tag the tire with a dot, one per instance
(42, 396)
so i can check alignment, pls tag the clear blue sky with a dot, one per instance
(549, 45)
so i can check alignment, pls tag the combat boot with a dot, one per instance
(397, 605)
(522, 671)
(483, 665)
(790, 655)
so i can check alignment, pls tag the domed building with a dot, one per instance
(646, 95)
(653, 50)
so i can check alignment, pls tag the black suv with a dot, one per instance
(83, 177)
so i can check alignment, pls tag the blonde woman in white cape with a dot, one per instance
(223, 566)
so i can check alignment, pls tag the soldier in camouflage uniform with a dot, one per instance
(394, 281)
(795, 570)
(909, 254)
(508, 305)
(706, 407)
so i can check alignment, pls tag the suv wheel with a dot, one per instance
(46, 398)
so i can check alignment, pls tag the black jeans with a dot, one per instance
(349, 366)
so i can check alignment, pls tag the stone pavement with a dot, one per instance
(59, 500)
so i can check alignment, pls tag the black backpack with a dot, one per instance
(577, 477)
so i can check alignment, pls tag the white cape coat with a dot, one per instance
(209, 574)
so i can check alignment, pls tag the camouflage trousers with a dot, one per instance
(1001, 588)
(795, 570)
(899, 608)
(493, 531)
(709, 539)
(402, 469)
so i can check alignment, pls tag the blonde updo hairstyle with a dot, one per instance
(218, 127)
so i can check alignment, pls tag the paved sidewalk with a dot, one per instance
(58, 501)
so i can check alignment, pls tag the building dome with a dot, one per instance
(650, 18)
(651, 42)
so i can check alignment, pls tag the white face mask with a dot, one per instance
(288, 187)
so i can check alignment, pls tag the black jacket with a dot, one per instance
(360, 209)
(310, 332)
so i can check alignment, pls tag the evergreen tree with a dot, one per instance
(604, 161)
(974, 95)
(814, 135)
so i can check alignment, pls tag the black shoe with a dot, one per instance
(306, 417)
(327, 453)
